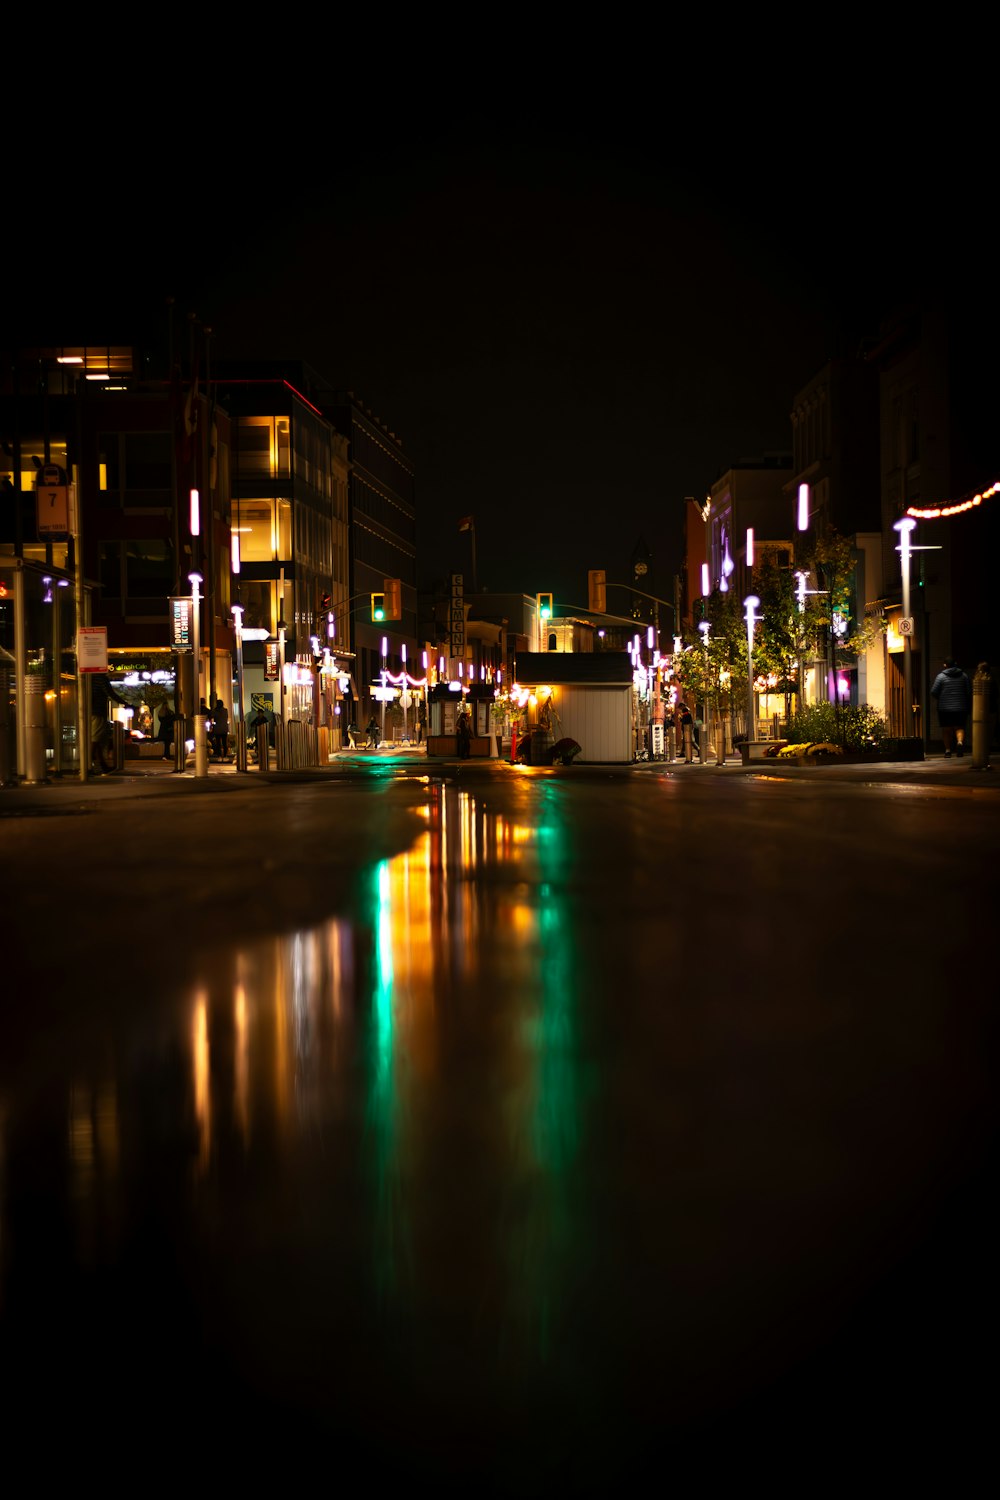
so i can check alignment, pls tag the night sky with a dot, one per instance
(571, 327)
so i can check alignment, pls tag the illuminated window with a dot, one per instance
(263, 446)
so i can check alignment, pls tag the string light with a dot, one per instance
(938, 512)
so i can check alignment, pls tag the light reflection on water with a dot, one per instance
(402, 1079)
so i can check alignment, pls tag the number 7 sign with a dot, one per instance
(52, 503)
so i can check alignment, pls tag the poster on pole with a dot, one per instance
(52, 502)
(180, 624)
(92, 648)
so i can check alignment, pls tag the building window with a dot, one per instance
(258, 600)
(262, 446)
(149, 569)
(109, 566)
(264, 528)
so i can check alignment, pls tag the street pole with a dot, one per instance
(385, 645)
(241, 733)
(752, 604)
(705, 627)
(281, 649)
(905, 527)
(200, 745)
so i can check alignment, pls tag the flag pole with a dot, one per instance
(468, 523)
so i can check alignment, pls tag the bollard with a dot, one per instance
(34, 728)
(180, 745)
(671, 742)
(241, 745)
(118, 744)
(688, 743)
(981, 726)
(200, 746)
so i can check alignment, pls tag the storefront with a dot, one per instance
(38, 672)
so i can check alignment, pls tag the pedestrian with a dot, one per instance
(464, 734)
(220, 730)
(166, 731)
(102, 751)
(372, 731)
(685, 720)
(265, 717)
(952, 691)
(352, 735)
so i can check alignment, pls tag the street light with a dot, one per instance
(752, 604)
(905, 527)
(200, 746)
(705, 627)
(241, 736)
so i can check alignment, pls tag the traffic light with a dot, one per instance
(545, 606)
(378, 608)
(597, 598)
(325, 601)
(393, 599)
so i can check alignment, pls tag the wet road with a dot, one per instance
(511, 1131)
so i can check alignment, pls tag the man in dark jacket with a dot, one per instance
(952, 692)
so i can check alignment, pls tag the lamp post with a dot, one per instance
(241, 733)
(905, 528)
(281, 654)
(752, 604)
(385, 648)
(198, 720)
(705, 626)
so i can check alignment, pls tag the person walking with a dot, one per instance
(220, 730)
(166, 731)
(464, 733)
(952, 691)
(372, 731)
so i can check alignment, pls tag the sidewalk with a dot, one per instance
(158, 778)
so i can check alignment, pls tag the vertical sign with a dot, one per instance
(180, 624)
(457, 615)
(52, 502)
(270, 661)
(92, 648)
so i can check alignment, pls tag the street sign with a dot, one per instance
(905, 625)
(270, 661)
(180, 624)
(92, 648)
(52, 508)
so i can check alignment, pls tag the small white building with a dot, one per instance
(588, 698)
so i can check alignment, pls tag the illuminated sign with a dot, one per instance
(180, 624)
